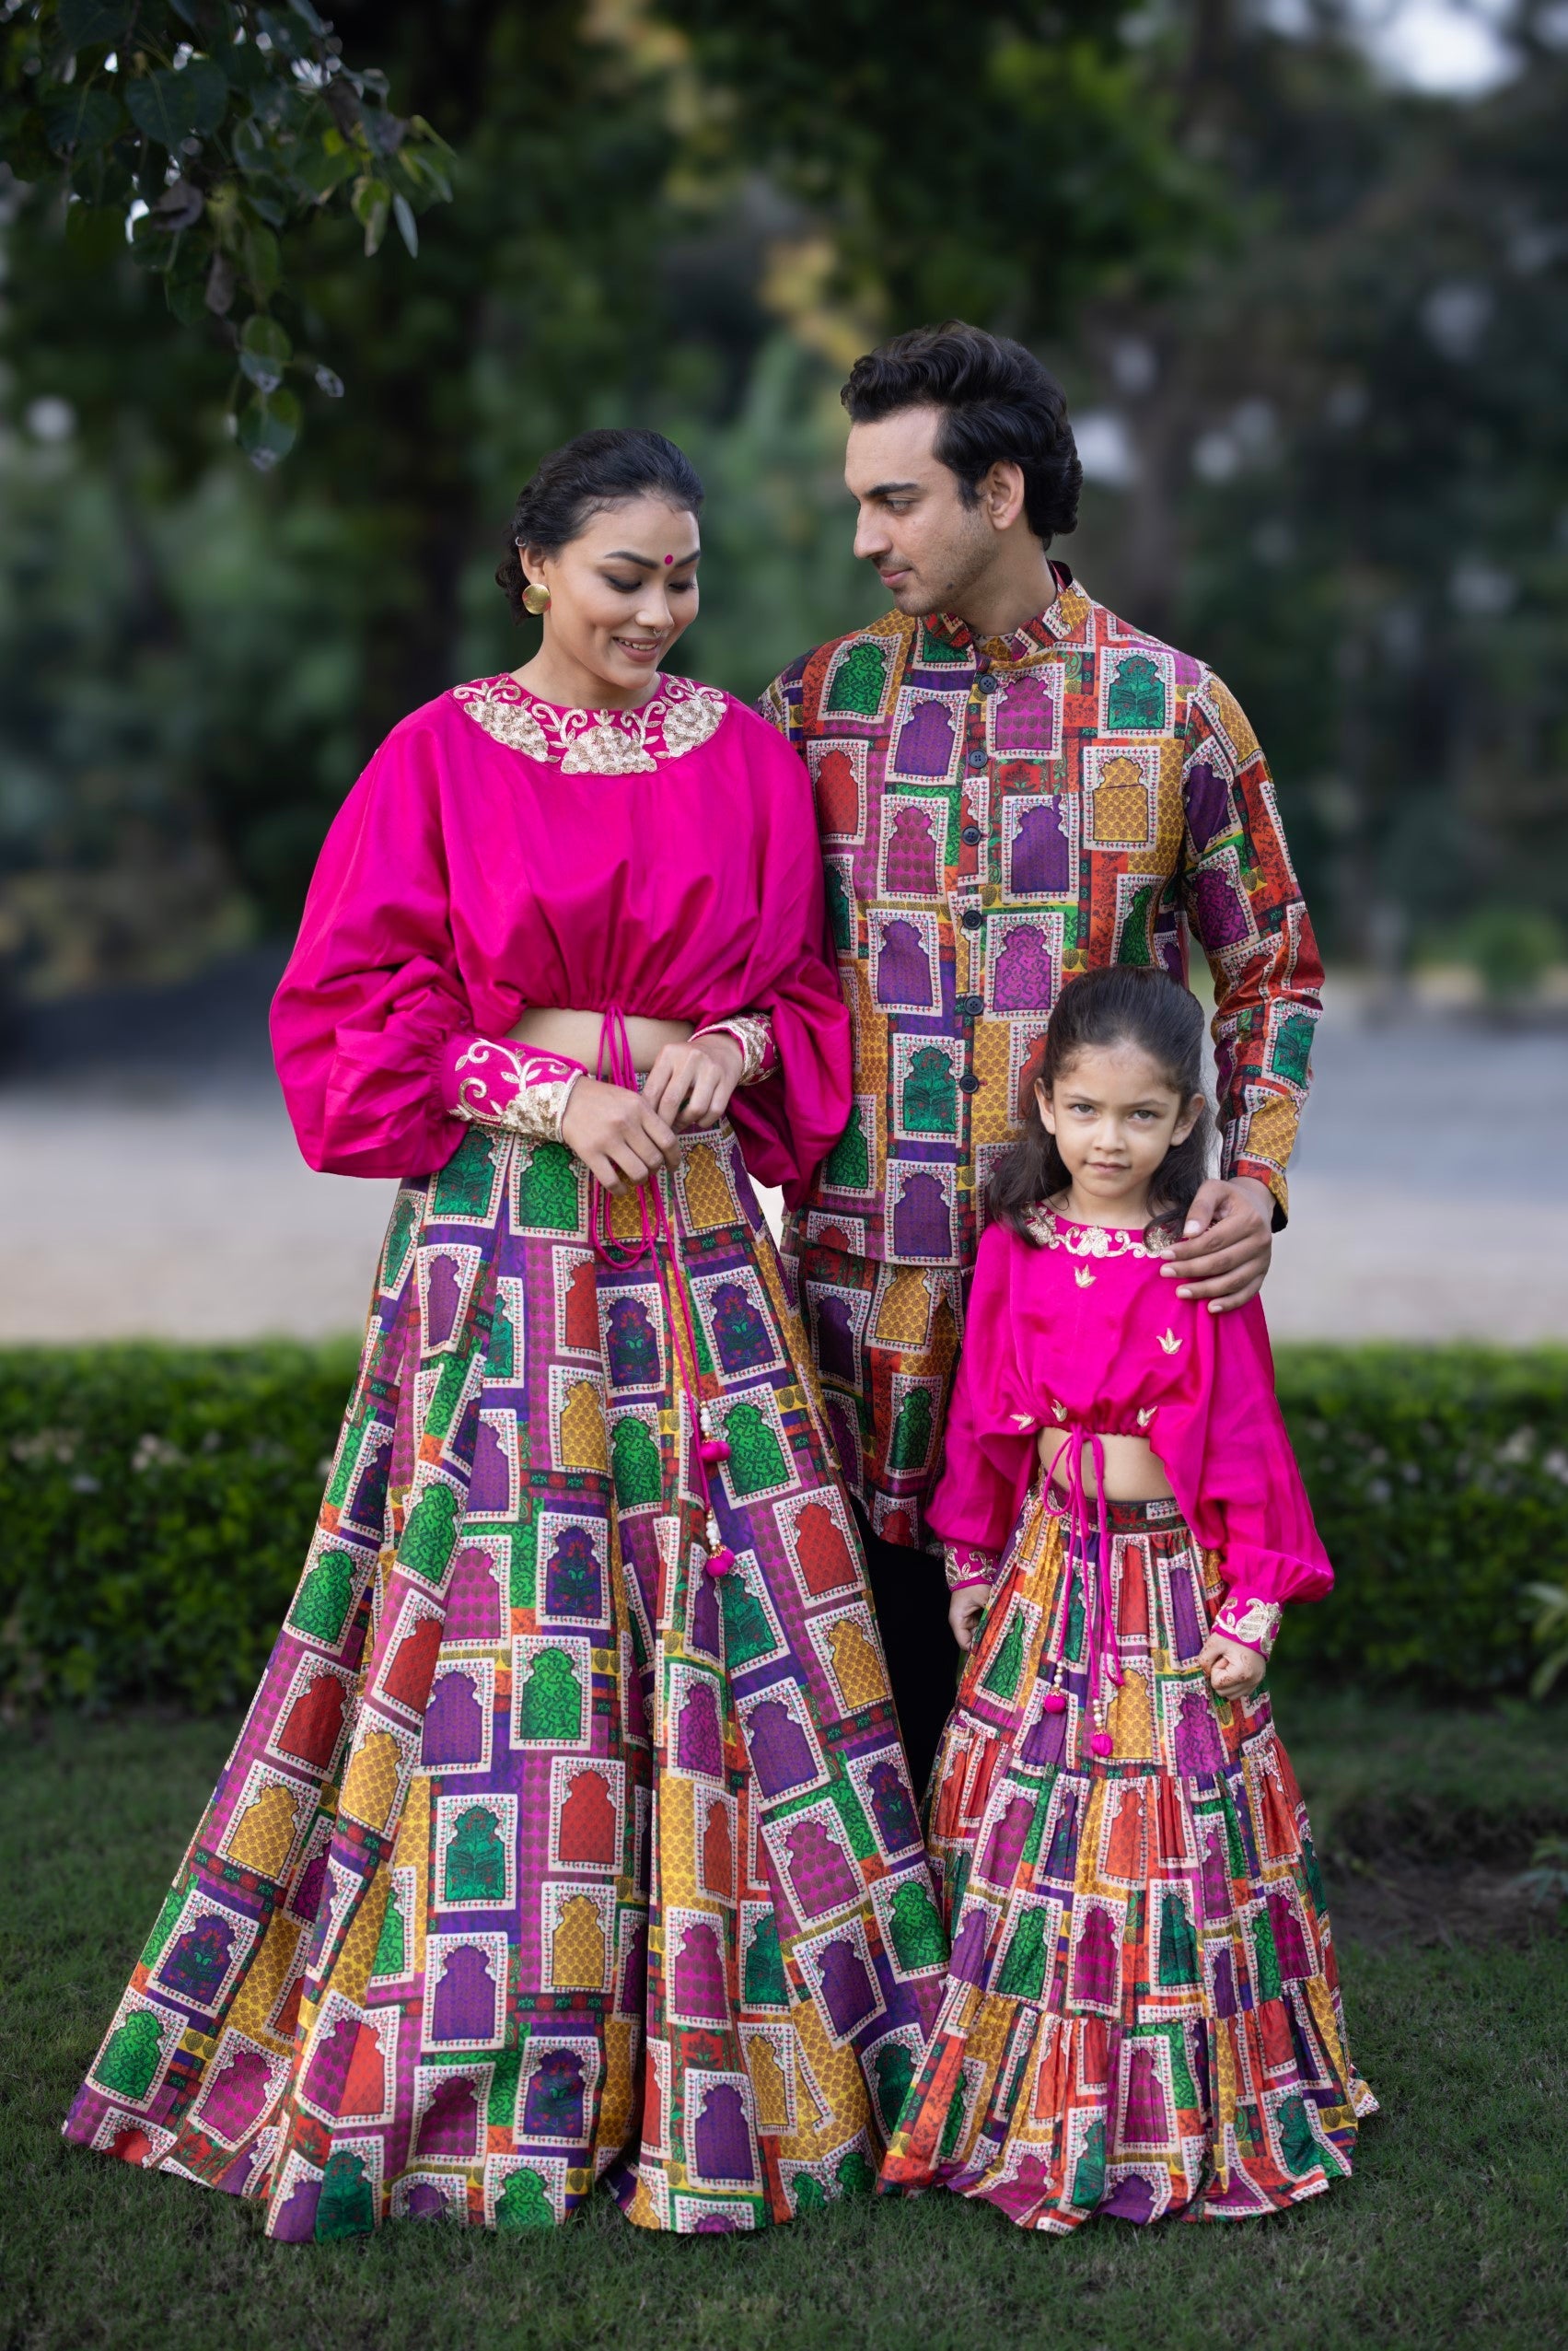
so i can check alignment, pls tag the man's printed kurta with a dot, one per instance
(997, 816)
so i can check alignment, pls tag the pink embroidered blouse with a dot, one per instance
(1084, 1333)
(500, 853)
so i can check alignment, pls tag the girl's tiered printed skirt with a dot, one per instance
(543, 1852)
(1142, 2016)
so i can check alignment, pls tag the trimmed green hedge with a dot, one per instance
(157, 1504)
(158, 1501)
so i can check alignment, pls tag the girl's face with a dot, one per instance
(620, 593)
(1115, 1115)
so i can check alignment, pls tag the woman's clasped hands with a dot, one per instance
(621, 1137)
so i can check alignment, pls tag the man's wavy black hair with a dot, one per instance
(999, 404)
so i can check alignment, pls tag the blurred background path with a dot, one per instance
(153, 1188)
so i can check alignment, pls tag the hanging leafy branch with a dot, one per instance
(211, 129)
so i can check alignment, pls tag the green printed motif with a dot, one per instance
(1298, 2148)
(911, 1442)
(1134, 943)
(163, 1926)
(916, 1928)
(430, 1534)
(547, 1190)
(1135, 703)
(346, 2207)
(325, 1596)
(1292, 1049)
(501, 2112)
(501, 1355)
(841, 915)
(848, 1164)
(1002, 1680)
(634, 1464)
(524, 2202)
(1023, 1969)
(129, 2065)
(764, 1984)
(1178, 1945)
(391, 1944)
(476, 1862)
(1088, 2174)
(551, 1704)
(467, 1183)
(930, 1093)
(860, 682)
(756, 1458)
(893, 2072)
(399, 1236)
(747, 1632)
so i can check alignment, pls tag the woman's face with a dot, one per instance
(620, 593)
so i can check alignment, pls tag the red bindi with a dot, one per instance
(670, 558)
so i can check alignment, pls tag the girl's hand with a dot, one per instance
(689, 1085)
(1234, 1671)
(616, 1134)
(964, 1612)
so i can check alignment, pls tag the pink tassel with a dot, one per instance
(712, 1449)
(721, 1561)
(1055, 1703)
(1100, 1744)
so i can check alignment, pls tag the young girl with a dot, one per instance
(1141, 2014)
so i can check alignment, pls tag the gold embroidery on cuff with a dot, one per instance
(753, 1032)
(966, 1563)
(542, 1085)
(1254, 1623)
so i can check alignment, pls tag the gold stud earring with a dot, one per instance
(536, 597)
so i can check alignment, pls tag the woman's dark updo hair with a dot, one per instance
(580, 480)
(1125, 1004)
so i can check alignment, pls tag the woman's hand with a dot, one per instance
(1233, 1670)
(689, 1085)
(964, 1612)
(618, 1136)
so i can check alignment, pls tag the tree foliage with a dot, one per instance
(1323, 319)
(204, 131)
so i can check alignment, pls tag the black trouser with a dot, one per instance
(908, 1590)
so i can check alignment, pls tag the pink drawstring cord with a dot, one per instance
(1100, 1615)
(616, 1067)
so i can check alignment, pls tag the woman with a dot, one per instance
(569, 1831)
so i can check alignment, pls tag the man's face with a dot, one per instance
(928, 546)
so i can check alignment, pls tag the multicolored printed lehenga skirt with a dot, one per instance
(1142, 2016)
(543, 1852)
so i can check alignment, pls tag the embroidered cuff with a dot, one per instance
(1234, 1161)
(967, 1563)
(510, 1087)
(1255, 1623)
(753, 1032)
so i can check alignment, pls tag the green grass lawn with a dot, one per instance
(1452, 2230)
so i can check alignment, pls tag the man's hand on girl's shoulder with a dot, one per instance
(1228, 1241)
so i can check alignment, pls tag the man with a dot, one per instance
(1013, 785)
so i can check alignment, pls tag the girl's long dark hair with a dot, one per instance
(1125, 1004)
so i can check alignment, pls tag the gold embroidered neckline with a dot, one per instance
(1053, 1231)
(677, 718)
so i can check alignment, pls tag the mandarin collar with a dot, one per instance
(1063, 622)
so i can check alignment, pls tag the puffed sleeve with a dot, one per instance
(795, 1114)
(1225, 1447)
(371, 1014)
(989, 1450)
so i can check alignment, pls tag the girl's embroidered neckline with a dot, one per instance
(1054, 1231)
(678, 716)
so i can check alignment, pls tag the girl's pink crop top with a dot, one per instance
(1084, 1333)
